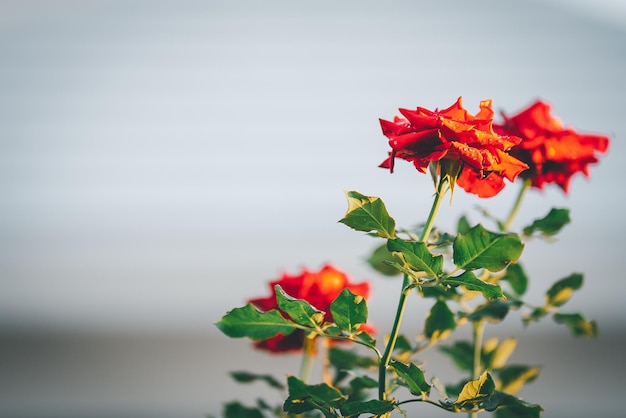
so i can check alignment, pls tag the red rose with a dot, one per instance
(554, 153)
(320, 289)
(453, 134)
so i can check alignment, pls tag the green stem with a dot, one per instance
(308, 353)
(384, 361)
(518, 202)
(326, 364)
(441, 191)
(479, 331)
(406, 289)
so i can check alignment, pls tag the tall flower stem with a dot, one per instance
(326, 365)
(441, 191)
(478, 334)
(384, 361)
(518, 202)
(406, 289)
(308, 354)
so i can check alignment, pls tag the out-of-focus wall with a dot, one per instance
(161, 161)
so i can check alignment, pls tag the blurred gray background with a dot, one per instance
(161, 161)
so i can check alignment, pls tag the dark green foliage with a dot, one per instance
(577, 324)
(367, 214)
(300, 311)
(380, 259)
(303, 398)
(479, 248)
(250, 322)
(349, 311)
(549, 225)
(237, 410)
(413, 377)
(439, 320)
(462, 353)
(247, 377)
(469, 280)
(516, 277)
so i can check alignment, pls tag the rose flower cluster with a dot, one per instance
(531, 144)
(319, 288)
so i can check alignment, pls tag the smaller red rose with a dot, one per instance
(554, 153)
(320, 289)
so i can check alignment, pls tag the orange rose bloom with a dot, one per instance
(554, 153)
(453, 134)
(320, 289)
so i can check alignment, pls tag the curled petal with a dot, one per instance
(488, 186)
(508, 166)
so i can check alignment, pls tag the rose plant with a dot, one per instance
(472, 276)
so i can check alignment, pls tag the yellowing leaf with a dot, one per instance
(490, 344)
(475, 391)
(502, 353)
(512, 379)
(562, 290)
(560, 297)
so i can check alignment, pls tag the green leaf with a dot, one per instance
(380, 259)
(469, 280)
(360, 387)
(562, 290)
(237, 410)
(303, 398)
(475, 392)
(250, 322)
(535, 315)
(349, 311)
(517, 278)
(367, 214)
(438, 292)
(366, 338)
(463, 225)
(439, 322)
(402, 344)
(577, 325)
(479, 248)
(514, 377)
(493, 311)
(549, 225)
(246, 377)
(440, 239)
(363, 382)
(347, 359)
(300, 311)
(374, 406)
(513, 407)
(462, 353)
(413, 376)
(417, 256)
